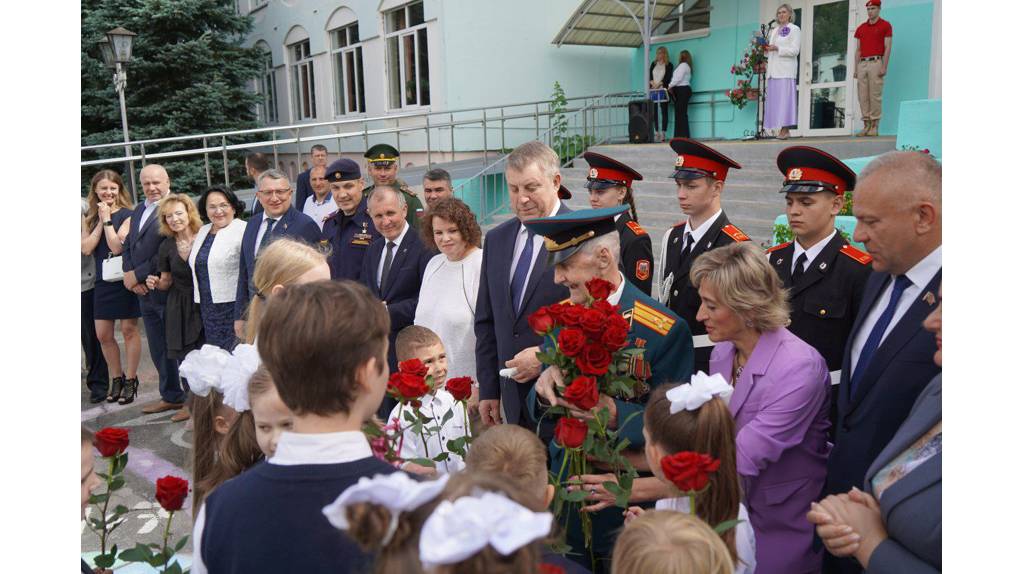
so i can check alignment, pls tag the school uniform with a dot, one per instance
(269, 519)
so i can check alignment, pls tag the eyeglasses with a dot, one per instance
(218, 207)
(275, 192)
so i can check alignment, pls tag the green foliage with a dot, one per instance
(189, 74)
(782, 233)
(566, 146)
(847, 204)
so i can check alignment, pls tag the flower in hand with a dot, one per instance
(582, 393)
(570, 432)
(413, 367)
(599, 288)
(461, 388)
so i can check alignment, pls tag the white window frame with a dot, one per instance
(689, 34)
(343, 75)
(266, 87)
(400, 35)
(302, 61)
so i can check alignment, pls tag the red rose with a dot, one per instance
(460, 387)
(571, 341)
(572, 314)
(556, 309)
(413, 367)
(582, 393)
(592, 323)
(594, 360)
(171, 492)
(570, 432)
(614, 337)
(406, 386)
(605, 307)
(541, 321)
(111, 441)
(689, 470)
(599, 288)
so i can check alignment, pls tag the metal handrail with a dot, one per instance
(330, 123)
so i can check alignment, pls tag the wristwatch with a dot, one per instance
(108, 224)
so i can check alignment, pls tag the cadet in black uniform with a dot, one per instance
(700, 176)
(348, 232)
(611, 183)
(825, 275)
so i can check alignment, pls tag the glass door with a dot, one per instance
(826, 81)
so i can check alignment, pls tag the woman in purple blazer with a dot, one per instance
(780, 402)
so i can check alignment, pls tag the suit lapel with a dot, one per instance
(149, 222)
(921, 420)
(505, 270)
(908, 326)
(375, 254)
(706, 243)
(822, 264)
(757, 365)
(401, 253)
(925, 475)
(782, 262)
(871, 292)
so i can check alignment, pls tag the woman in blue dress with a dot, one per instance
(104, 229)
(214, 262)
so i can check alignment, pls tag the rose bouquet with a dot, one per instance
(587, 343)
(409, 386)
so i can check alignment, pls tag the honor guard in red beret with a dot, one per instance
(825, 275)
(610, 183)
(700, 174)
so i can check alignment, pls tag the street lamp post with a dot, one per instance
(116, 50)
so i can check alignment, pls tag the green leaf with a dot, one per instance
(727, 525)
(409, 416)
(117, 483)
(447, 416)
(106, 560)
(120, 509)
(441, 457)
(422, 461)
(98, 498)
(575, 496)
(174, 568)
(141, 553)
(622, 445)
(181, 543)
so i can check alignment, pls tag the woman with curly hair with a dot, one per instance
(447, 303)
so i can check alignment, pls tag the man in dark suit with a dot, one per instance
(277, 219)
(888, 359)
(139, 262)
(393, 266)
(255, 164)
(515, 281)
(700, 177)
(303, 187)
(824, 274)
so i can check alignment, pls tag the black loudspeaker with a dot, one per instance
(640, 122)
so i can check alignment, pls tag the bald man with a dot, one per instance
(139, 262)
(888, 358)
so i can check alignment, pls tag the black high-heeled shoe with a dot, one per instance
(131, 390)
(116, 387)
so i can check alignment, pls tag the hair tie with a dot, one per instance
(234, 380)
(397, 492)
(203, 368)
(701, 389)
(457, 530)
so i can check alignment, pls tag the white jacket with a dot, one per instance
(782, 64)
(223, 262)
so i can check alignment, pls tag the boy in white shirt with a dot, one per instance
(416, 342)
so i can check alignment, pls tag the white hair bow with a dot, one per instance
(457, 530)
(203, 368)
(234, 379)
(701, 389)
(396, 492)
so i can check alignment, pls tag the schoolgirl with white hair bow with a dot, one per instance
(685, 427)
(462, 523)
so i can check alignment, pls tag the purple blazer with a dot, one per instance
(780, 404)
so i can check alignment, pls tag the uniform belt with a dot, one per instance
(835, 376)
(870, 58)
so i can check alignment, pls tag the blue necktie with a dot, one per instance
(266, 234)
(875, 337)
(522, 271)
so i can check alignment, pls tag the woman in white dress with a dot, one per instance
(447, 303)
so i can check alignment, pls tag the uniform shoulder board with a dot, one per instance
(405, 189)
(565, 301)
(735, 233)
(779, 246)
(636, 228)
(680, 224)
(855, 254)
(652, 318)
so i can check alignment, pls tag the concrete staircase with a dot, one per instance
(751, 197)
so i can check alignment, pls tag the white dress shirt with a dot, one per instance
(745, 542)
(263, 230)
(150, 208)
(811, 252)
(394, 253)
(698, 233)
(919, 276)
(435, 408)
(319, 211)
(294, 449)
(681, 75)
(520, 244)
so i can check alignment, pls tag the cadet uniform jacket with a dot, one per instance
(637, 253)
(826, 299)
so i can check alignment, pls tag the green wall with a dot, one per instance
(732, 22)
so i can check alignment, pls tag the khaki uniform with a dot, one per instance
(869, 88)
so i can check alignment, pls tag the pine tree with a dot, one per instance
(189, 74)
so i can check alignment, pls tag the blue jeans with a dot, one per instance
(153, 318)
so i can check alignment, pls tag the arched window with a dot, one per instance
(347, 61)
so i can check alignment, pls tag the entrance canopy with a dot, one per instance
(621, 23)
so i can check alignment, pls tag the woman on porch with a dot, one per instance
(782, 49)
